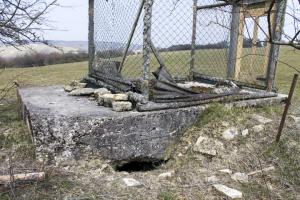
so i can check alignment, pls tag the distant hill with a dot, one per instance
(59, 46)
(83, 45)
(80, 45)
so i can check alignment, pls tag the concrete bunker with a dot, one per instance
(156, 89)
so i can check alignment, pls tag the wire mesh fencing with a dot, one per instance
(186, 36)
(212, 39)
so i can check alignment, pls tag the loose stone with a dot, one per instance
(258, 128)
(240, 177)
(230, 134)
(207, 146)
(82, 92)
(130, 182)
(166, 175)
(121, 106)
(245, 132)
(229, 192)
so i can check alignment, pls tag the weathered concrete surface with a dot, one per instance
(63, 126)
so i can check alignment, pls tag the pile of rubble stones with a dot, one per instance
(118, 102)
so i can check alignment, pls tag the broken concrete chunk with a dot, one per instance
(271, 168)
(261, 119)
(258, 128)
(105, 100)
(230, 133)
(137, 98)
(130, 182)
(81, 85)
(120, 97)
(227, 171)
(74, 85)
(69, 88)
(245, 132)
(121, 106)
(212, 179)
(82, 92)
(101, 91)
(166, 175)
(240, 177)
(207, 146)
(229, 192)
(108, 98)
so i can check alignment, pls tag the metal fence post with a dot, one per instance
(193, 45)
(287, 106)
(91, 36)
(276, 36)
(234, 35)
(147, 46)
(137, 18)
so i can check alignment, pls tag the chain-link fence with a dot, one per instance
(212, 39)
(186, 36)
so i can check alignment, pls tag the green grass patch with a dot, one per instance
(288, 159)
(167, 196)
(14, 134)
(216, 112)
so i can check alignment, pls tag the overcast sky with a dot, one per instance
(70, 19)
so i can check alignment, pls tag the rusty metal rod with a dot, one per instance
(287, 106)
(152, 106)
(156, 54)
(132, 34)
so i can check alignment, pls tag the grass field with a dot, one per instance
(14, 135)
(63, 73)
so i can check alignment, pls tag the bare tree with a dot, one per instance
(292, 12)
(23, 21)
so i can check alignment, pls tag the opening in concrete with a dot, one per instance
(137, 166)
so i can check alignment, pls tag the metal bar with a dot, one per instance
(234, 35)
(91, 36)
(287, 106)
(151, 106)
(156, 54)
(194, 35)
(276, 36)
(240, 47)
(254, 41)
(215, 80)
(132, 33)
(147, 46)
(212, 6)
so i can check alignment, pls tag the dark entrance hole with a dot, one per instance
(137, 166)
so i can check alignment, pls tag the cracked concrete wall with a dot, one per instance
(122, 138)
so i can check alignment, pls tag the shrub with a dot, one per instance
(42, 59)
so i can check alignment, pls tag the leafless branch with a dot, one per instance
(22, 21)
